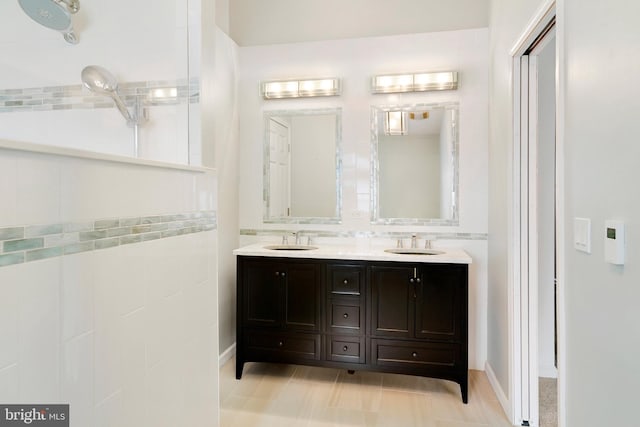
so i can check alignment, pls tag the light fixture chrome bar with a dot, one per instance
(414, 82)
(277, 89)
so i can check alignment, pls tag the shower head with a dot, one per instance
(101, 81)
(54, 14)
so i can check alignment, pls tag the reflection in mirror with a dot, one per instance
(302, 166)
(415, 164)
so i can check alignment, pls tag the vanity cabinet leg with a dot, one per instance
(464, 390)
(239, 367)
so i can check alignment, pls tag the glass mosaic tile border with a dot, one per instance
(369, 234)
(73, 97)
(35, 242)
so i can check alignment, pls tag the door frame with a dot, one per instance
(523, 315)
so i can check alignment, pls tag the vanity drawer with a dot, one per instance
(282, 346)
(414, 354)
(346, 279)
(345, 315)
(345, 349)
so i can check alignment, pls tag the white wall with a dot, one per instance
(140, 50)
(355, 60)
(257, 22)
(601, 156)
(225, 147)
(126, 335)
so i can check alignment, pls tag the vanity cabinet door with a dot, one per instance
(425, 301)
(392, 297)
(282, 294)
(301, 296)
(261, 285)
(439, 300)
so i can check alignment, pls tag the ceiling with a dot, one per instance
(262, 22)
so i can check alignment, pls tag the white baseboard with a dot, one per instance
(547, 372)
(502, 398)
(227, 354)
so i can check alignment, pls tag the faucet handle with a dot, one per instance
(427, 244)
(285, 239)
(399, 244)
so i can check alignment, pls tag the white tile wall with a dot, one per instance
(125, 335)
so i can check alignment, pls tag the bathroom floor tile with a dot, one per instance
(280, 395)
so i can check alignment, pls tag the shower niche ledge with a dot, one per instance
(31, 147)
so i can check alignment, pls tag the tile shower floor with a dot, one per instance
(275, 395)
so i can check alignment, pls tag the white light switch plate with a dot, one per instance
(582, 234)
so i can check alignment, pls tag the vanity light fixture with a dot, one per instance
(416, 82)
(277, 89)
(395, 123)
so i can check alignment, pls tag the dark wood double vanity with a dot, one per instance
(402, 316)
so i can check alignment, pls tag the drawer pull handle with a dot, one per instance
(345, 281)
(280, 344)
(345, 315)
(345, 348)
(414, 354)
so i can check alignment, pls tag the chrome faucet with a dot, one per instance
(298, 237)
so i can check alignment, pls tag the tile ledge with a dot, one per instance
(92, 155)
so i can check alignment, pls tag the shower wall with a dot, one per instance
(109, 290)
(40, 85)
(108, 269)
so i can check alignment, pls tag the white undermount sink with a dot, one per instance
(286, 247)
(413, 251)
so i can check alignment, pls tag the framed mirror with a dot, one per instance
(414, 164)
(302, 167)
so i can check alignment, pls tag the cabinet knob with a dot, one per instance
(345, 348)
(283, 274)
(414, 354)
(280, 344)
(345, 281)
(345, 315)
(277, 273)
(417, 280)
(411, 280)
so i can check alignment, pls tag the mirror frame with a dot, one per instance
(337, 219)
(375, 196)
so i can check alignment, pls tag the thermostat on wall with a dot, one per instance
(614, 242)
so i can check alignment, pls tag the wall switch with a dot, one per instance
(582, 234)
(614, 242)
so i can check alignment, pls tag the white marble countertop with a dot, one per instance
(355, 252)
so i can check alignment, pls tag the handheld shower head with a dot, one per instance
(54, 14)
(101, 81)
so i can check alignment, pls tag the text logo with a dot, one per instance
(34, 415)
